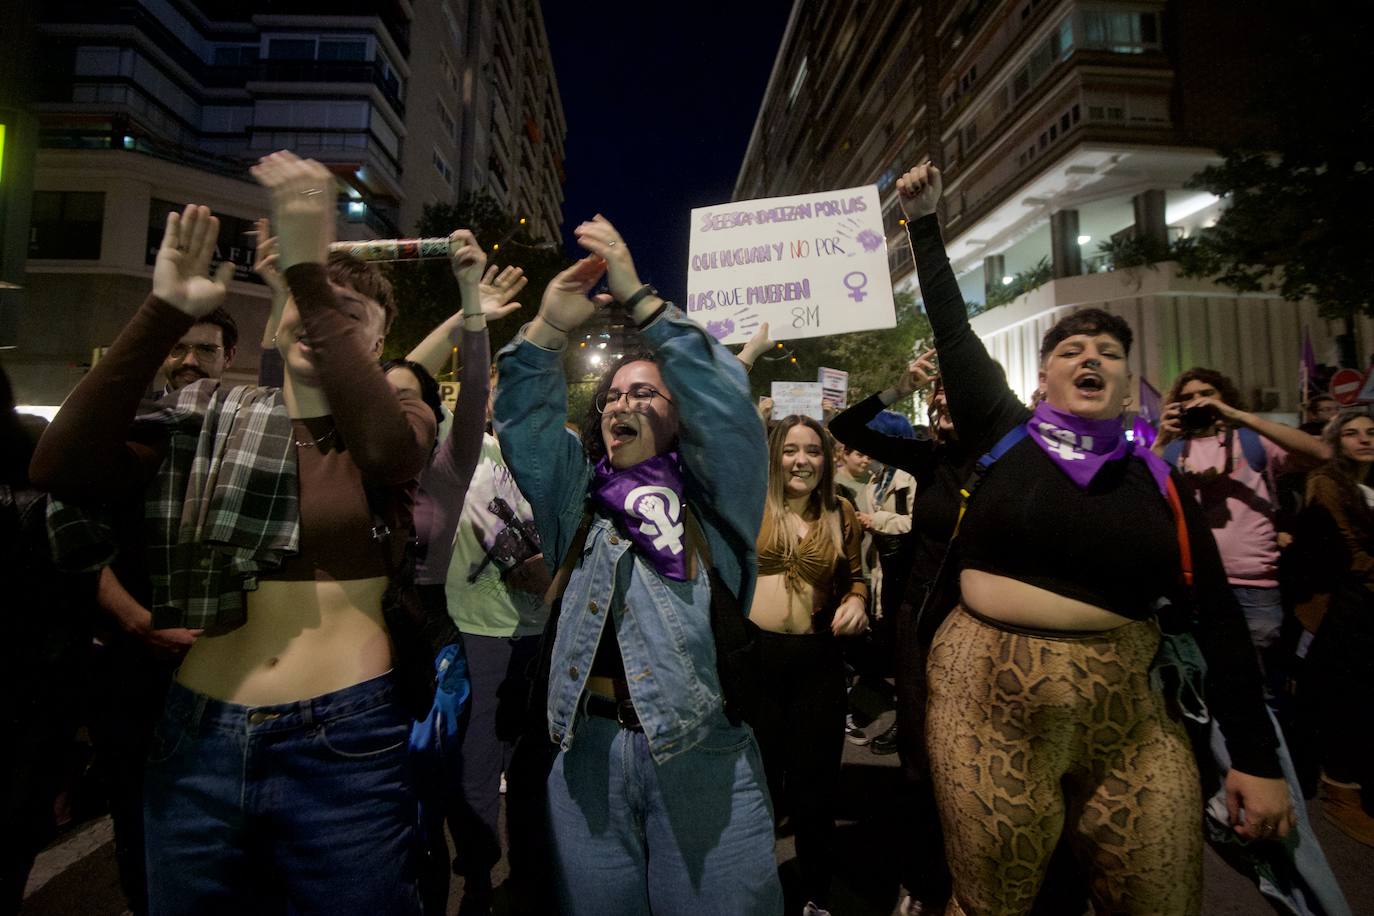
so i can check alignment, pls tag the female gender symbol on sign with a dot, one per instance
(856, 287)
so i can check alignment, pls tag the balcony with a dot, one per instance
(334, 71)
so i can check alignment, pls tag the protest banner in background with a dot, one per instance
(802, 398)
(834, 387)
(809, 265)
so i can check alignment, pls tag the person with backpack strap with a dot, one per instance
(1043, 718)
(656, 798)
(1230, 459)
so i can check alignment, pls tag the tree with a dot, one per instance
(873, 359)
(1300, 198)
(427, 292)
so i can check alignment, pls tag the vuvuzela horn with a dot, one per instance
(394, 249)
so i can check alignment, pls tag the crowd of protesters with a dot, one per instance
(333, 622)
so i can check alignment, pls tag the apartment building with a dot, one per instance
(1060, 125)
(144, 105)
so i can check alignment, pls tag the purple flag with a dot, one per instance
(1307, 368)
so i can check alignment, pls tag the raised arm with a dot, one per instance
(389, 438)
(850, 425)
(85, 452)
(444, 483)
(720, 437)
(982, 405)
(531, 408)
(494, 291)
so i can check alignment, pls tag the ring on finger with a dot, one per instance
(311, 192)
(613, 243)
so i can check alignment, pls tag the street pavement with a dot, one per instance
(77, 877)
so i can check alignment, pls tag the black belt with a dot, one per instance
(621, 711)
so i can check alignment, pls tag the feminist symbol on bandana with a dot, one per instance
(1064, 442)
(659, 508)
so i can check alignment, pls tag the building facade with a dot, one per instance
(1066, 131)
(144, 105)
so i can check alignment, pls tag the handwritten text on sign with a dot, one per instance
(809, 265)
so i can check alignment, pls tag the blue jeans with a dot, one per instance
(691, 835)
(1263, 608)
(303, 807)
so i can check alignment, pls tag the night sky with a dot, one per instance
(660, 101)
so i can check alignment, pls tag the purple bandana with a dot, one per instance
(1080, 447)
(646, 500)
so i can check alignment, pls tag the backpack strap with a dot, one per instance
(1173, 452)
(559, 584)
(1252, 447)
(985, 463)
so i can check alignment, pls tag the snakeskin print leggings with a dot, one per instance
(1036, 735)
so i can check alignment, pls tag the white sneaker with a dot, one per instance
(854, 734)
(812, 910)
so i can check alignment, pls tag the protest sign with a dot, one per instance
(802, 398)
(834, 387)
(810, 265)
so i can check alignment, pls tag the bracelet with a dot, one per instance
(637, 295)
(564, 331)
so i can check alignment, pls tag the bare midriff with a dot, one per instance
(1019, 604)
(779, 611)
(301, 640)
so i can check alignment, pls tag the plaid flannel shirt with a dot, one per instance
(223, 505)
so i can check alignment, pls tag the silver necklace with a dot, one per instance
(315, 443)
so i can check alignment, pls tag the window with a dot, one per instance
(235, 55)
(342, 49)
(446, 119)
(441, 166)
(291, 49)
(67, 225)
(1120, 32)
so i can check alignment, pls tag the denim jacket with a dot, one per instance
(663, 626)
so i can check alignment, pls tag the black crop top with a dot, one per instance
(1112, 545)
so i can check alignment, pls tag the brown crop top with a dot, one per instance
(336, 520)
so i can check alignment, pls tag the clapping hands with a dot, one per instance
(181, 271)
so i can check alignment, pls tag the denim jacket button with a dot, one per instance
(592, 606)
(572, 672)
(614, 539)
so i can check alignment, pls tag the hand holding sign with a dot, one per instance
(918, 191)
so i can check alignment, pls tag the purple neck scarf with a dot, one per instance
(646, 501)
(1080, 447)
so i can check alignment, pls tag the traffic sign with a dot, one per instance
(1346, 385)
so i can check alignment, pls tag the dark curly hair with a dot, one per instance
(591, 423)
(1224, 386)
(429, 388)
(1087, 321)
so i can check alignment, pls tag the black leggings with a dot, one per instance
(800, 730)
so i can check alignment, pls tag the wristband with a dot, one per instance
(554, 326)
(650, 319)
(637, 295)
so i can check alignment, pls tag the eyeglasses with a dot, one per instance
(637, 397)
(203, 351)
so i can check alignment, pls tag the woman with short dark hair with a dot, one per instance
(1042, 718)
